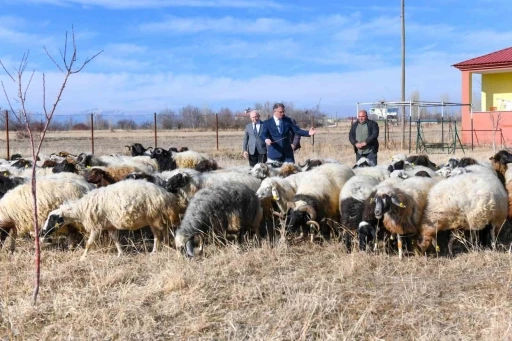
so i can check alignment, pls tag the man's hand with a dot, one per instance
(293, 146)
(312, 131)
(268, 142)
(246, 154)
(360, 145)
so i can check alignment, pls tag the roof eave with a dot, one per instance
(497, 66)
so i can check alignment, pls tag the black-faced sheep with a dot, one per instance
(169, 161)
(137, 149)
(316, 201)
(352, 200)
(154, 178)
(107, 176)
(17, 206)
(422, 160)
(401, 206)
(219, 210)
(126, 205)
(8, 183)
(499, 162)
(309, 164)
(206, 166)
(188, 182)
(468, 201)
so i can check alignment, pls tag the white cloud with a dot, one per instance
(151, 92)
(132, 4)
(228, 24)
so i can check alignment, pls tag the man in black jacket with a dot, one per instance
(364, 137)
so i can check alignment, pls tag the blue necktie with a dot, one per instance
(279, 129)
(255, 130)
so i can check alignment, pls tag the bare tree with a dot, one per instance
(495, 117)
(67, 67)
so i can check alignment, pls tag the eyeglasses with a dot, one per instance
(361, 116)
(280, 112)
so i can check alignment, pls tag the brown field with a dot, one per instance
(306, 292)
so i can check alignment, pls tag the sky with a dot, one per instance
(166, 54)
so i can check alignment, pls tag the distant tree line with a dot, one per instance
(188, 117)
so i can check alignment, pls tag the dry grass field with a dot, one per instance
(302, 292)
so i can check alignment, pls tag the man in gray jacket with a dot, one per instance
(364, 135)
(253, 146)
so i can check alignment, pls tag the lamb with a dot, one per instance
(17, 210)
(317, 199)
(468, 201)
(401, 206)
(126, 205)
(219, 210)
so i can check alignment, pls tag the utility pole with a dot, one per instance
(403, 74)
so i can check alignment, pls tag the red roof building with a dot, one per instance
(495, 112)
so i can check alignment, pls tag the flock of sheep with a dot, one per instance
(187, 200)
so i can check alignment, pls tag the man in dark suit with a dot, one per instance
(276, 134)
(363, 136)
(254, 147)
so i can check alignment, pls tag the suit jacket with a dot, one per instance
(295, 138)
(281, 145)
(252, 142)
(373, 134)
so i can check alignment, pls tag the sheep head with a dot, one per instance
(300, 217)
(176, 182)
(363, 162)
(383, 204)
(54, 221)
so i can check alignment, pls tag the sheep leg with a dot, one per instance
(92, 238)
(450, 244)
(492, 232)
(14, 235)
(156, 239)
(114, 235)
(399, 243)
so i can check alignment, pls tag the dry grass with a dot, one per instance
(300, 292)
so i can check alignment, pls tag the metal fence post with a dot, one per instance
(92, 133)
(154, 126)
(217, 128)
(7, 134)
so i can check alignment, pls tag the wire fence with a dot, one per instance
(152, 129)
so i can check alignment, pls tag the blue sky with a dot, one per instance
(162, 54)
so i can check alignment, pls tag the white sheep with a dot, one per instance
(125, 205)
(281, 190)
(17, 206)
(468, 201)
(188, 183)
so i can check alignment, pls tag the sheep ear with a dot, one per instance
(275, 194)
(397, 202)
